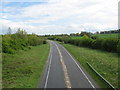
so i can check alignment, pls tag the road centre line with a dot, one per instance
(80, 68)
(67, 80)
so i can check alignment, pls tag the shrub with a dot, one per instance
(96, 44)
(110, 45)
(44, 42)
(6, 48)
(86, 41)
(94, 37)
(29, 47)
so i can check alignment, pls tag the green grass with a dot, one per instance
(101, 36)
(104, 62)
(106, 36)
(23, 69)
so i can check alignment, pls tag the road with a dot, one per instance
(63, 71)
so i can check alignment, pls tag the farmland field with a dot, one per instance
(101, 36)
(24, 68)
(105, 63)
(106, 35)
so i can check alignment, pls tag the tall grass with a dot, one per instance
(24, 68)
(105, 63)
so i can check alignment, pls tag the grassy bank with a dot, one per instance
(23, 69)
(104, 62)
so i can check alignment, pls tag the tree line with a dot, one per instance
(87, 33)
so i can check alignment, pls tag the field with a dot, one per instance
(106, 35)
(105, 63)
(24, 68)
(101, 36)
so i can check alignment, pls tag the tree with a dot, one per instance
(85, 33)
(97, 32)
(9, 31)
(77, 34)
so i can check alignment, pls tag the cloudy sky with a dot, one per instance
(58, 16)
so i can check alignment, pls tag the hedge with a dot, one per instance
(109, 44)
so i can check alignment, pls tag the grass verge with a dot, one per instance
(104, 62)
(23, 69)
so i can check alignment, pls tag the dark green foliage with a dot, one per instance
(6, 45)
(52, 37)
(94, 37)
(111, 31)
(44, 42)
(20, 41)
(34, 40)
(96, 44)
(86, 41)
(85, 33)
(29, 47)
(110, 45)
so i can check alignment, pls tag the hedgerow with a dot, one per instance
(108, 44)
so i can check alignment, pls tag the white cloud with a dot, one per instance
(14, 26)
(75, 16)
(53, 29)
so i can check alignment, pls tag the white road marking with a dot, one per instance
(80, 69)
(48, 69)
(67, 80)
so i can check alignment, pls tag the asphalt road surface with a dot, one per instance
(63, 71)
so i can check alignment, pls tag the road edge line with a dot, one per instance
(80, 68)
(46, 81)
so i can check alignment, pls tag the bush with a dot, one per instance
(86, 41)
(29, 47)
(97, 44)
(44, 42)
(110, 45)
(94, 37)
(6, 48)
